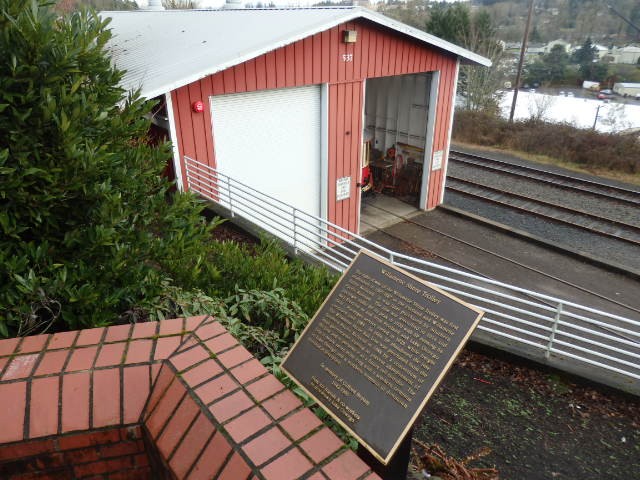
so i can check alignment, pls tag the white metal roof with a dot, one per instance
(164, 50)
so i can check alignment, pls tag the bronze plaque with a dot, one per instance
(377, 349)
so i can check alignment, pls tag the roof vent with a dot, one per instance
(155, 5)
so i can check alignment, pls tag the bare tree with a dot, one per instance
(455, 23)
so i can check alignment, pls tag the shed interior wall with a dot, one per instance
(396, 109)
(396, 116)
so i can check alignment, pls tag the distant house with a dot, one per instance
(627, 89)
(549, 46)
(601, 51)
(629, 54)
(534, 50)
(279, 99)
(512, 48)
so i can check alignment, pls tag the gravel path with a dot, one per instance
(573, 238)
(565, 236)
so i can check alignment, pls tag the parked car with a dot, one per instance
(605, 94)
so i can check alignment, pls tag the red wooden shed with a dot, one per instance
(283, 100)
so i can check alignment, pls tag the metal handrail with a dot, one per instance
(529, 322)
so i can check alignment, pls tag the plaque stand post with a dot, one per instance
(398, 466)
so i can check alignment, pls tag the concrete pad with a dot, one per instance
(382, 211)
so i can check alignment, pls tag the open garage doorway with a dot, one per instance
(398, 120)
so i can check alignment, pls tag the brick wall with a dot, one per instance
(206, 408)
(114, 454)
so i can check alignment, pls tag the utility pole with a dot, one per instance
(523, 50)
(626, 20)
(597, 113)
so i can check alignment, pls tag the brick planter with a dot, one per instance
(164, 400)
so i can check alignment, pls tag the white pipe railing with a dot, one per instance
(535, 323)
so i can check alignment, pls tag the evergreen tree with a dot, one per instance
(594, 71)
(88, 236)
(634, 18)
(551, 68)
(477, 33)
(586, 54)
(450, 22)
(586, 57)
(535, 35)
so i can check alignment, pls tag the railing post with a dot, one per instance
(554, 329)
(391, 259)
(230, 202)
(186, 169)
(295, 231)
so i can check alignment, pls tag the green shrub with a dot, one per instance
(266, 267)
(88, 236)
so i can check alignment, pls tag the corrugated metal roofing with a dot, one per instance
(164, 50)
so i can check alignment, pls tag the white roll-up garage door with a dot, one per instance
(270, 140)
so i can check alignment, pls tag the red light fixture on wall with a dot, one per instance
(198, 106)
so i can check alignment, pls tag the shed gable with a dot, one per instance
(317, 59)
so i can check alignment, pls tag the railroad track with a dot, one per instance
(624, 195)
(612, 228)
(506, 258)
(497, 255)
(596, 220)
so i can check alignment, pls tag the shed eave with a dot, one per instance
(466, 56)
(347, 14)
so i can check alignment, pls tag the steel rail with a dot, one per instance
(626, 195)
(467, 187)
(525, 210)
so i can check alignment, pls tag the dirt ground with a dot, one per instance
(539, 424)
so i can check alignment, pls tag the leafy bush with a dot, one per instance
(269, 309)
(265, 267)
(561, 141)
(266, 323)
(87, 233)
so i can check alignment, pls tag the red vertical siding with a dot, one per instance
(344, 125)
(441, 133)
(320, 59)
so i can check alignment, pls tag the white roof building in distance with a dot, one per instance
(629, 54)
(627, 89)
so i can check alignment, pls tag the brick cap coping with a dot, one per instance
(211, 409)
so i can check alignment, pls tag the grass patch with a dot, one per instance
(613, 156)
